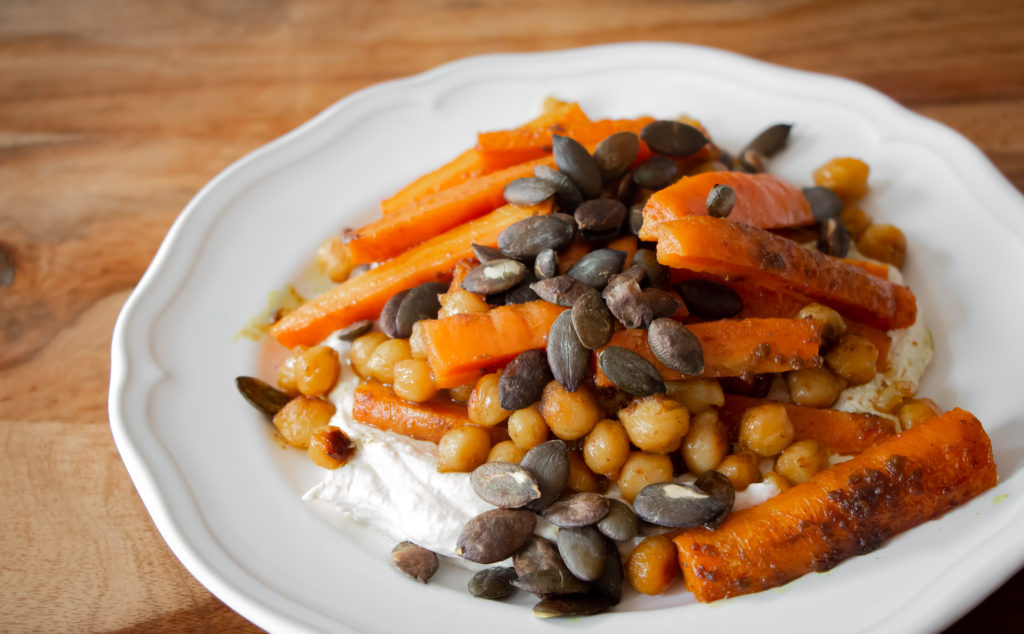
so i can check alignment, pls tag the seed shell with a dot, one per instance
(709, 299)
(528, 191)
(719, 487)
(833, 238)
(636, 217)
(567, 195)
(582, 550)
(657, 273)
(592, 321)
(356, 330)
(616, 153)
(662, 303)
(675, 505)
(485, 253)
(546, 264)
(415, 561)
(494, 276)
(675, 346)
(620, 523)
(630, 372)
(609, 584)
(536, 555)
(389, 314)
(600, 215)
(574, 161)
(523, 380)
(771, 140)
(582, 605)
(561, 290)
(594, 268)
(551, 582)
(504, 484)
(626, 302)
(721, 200)
(421, 303)
(261, 395)
(673, 138)
(579, 509)
(492, 583)
(548, 462)
(495, 535)
(824, 202)
(568, 359)
(530, 236)
(656, 173)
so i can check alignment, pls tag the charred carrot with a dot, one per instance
(847, 510)
(734, 347)
(723, 248)
(460, 345)
(364, 296)
(842, 432)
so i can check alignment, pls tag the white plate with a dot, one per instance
(226, 497)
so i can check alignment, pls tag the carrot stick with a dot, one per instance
(842, 432)
(572, 253)
(460, 345)
(734, 347)
(721, 247)
(378, 406)
(847, 510)
(626, 244)
(363, 297)
(762, 200)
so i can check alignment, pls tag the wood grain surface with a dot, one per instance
(114, 113)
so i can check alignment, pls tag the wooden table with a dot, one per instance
(113, 114)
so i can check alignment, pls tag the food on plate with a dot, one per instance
(615, 354)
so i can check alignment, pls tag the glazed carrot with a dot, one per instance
(363, 296)
(572, 253)
(723, 248)
(377, 405)
(847, 510)
(758, 301)
(762, 200)
(463, 344)
(734, 347)
(842, 432)
(875, 268)
(626, 244)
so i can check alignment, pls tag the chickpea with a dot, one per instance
(917, 411)
(706, 444)
(333, 259)
(418, 346)
(570, 415)
(830, 323)
(317, 370)
(653, 565)
(853, 358)
(847, 177)
(780, 483)
(382, 361)
(801, 460)
(463, 449)
(606, 448)
(505, 451)
(526, 428)
(483, 405)
(461, 393)
(641, 469)
(885, 243)
(413, 381)
(696, 395)
(330, 448)
(888, 399)
(814, 387)
(766, 429)
(581, 478)
(655, 423)
(286, 380)
(855, 220)
(300, 417)
(741, 468)
(361, 349)
(461, 302)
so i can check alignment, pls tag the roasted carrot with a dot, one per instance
(572, 253)
(842, 432)
(762, 200)
(377, 405)
(758, 301)
(363, 297)
(734, 347)
(626, 244)
(464, 344)
(725, 248)
(847, 510)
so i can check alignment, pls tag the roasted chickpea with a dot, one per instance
(581, 478)
(334, 260)
(463, 449)
(655, 423)
(606, 447)
(300, 417)
(696, 395)
(706, 444)
(780, 483)
(505, 451)
(814, 387)
(484, 408)
(653, 565)
(801, 460)
(847, 177)
(461, 393)
(855, 220)
(526, 428)
(413, 381)
(830, 323)
(330, 448)
(641, 469)
(570, 415)
(317, 370)
(741, 469)
(766, 429)
(382, 361)
(461, 302)
(889, 399)
(884, 243)
(361, 350)
(286, 381)
(917, 411)
(854, 358)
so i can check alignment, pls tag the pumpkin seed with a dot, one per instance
(625, 191)
(536, 555)
(551, 582)
(771, 140)
(594, 268)
(600, 215)
(833, 238)
(261, 395)
(546, 264)
(593, 322)
(504, 484)
(492, 583)
(609, 584)
(636, 218)
(673, 138)
(567, 195)
(530, 236)
(520, 294)
(675, 505)
(709, 299)
(568, 359)
(656, 173)
(389, 314)
(420, 303)
(356, 330)
(494, 276)
(600, 236)
(647, 260)
(620, 523)
(579, 509)
(824, 202)
(616, 153)
(574, 161)
(584, 605)
(414, 561)
(633, 273)
(626, 302)
(7, 269)
(630, 372)
(528, 191)
(675, 346)
(548, 462)
(582, 550)
(721, 200)
(495, 535)
(662, 303)
(752, 162)
(485, 253)
(719, 487)
(561, 290)
(523, 380)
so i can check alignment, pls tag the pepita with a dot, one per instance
(574, 161)
(568, 359)
(594, 268)
(530, 236)
(261, 395)
(592, 321)
(495, 535)
(630, 372)
(548, 462)
(523, 380)
(675, 505)
(492, 583)
(528, 191)
(675, 346)
(656, 173)
(414, 561)
(709, 299)
(579, 509)
(504, 484)
(673, 138)
(494, 276)
(616, 153)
